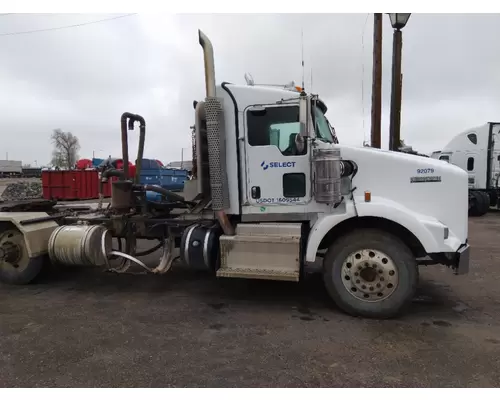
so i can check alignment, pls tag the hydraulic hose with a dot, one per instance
(165, 192)
(108, 174)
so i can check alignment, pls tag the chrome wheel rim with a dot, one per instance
(369, 275)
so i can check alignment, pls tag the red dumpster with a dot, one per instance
(87, 184)
(57, 185)
(70, 185)
(84, 163)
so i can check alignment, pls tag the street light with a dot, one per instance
(182, 156)
(398, 22)
(93, 152)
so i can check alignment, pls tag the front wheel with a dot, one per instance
(370, 273)
(486, 202)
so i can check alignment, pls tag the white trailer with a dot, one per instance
(477, 151)
(273, 191)
(10, 168)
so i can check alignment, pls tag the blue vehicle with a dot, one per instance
(168, 178)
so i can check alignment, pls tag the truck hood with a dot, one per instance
(424, 185)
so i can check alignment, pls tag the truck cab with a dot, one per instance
(286, 193)
(476, 151)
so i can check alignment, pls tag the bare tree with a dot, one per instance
(66, 146)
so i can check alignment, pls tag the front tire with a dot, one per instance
(476, 204)
(486, 202)
(370, 273)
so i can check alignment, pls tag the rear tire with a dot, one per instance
(370, 273)
(16, 267)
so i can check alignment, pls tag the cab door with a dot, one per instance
(277, 173)
(471, 167)
(495, 161)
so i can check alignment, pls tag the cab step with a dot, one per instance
(262, 251)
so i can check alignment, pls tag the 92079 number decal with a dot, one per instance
(425, 171)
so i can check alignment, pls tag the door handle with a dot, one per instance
(255, 192)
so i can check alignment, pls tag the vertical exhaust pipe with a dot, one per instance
(142, 138)
(208, 58)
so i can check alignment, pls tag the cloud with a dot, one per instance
(82, 79)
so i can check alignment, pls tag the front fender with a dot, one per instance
(322, 226)
(428, 230)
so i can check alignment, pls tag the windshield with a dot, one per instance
(324, 130)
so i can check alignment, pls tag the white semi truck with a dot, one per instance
(477, 151)
(272, 193)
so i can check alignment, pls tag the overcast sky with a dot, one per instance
(82, 79)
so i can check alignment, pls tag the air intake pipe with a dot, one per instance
(132, 118)
(208, 57)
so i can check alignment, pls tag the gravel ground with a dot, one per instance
(20, 188)
(81, 327)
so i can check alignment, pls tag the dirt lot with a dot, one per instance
(86, 328)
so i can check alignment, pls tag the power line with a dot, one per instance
(65, 27)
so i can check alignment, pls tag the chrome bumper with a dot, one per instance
(461, 266)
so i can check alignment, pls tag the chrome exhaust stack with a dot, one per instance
(208, 58)
(216, 137)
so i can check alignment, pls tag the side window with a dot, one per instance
(445, 158)
(470, 164)
(472, 137)
(275, 126)
(294, 185)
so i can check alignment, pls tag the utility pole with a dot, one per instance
(376, 82)
(398, 22)
(395, 124)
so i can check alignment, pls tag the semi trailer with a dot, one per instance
(477, 151)
(272, 192)
(10, 168)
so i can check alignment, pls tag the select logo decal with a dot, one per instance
(277, 164)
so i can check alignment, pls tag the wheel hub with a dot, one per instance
(11, 248)
(9, 252)
(369, 275)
